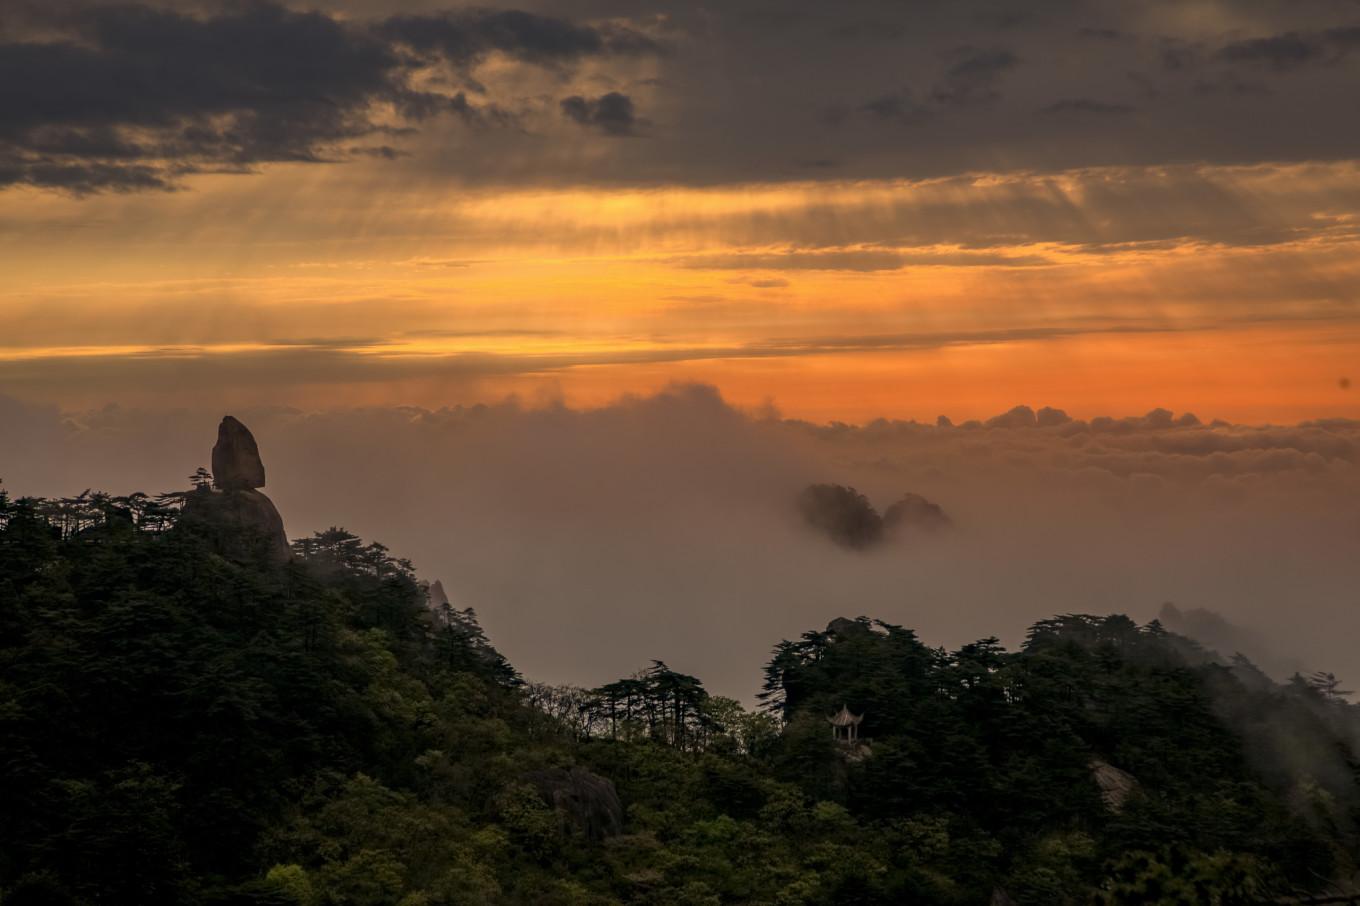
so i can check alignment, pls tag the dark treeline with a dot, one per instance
(181, 727)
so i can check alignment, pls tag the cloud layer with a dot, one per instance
(137, 96)
(666, 526)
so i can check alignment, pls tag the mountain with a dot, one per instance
(189, 719)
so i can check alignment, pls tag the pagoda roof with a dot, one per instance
(843, 718)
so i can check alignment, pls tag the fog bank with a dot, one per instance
(591, 541)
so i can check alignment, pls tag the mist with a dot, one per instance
(667, 526)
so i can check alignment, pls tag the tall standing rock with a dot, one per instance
(236, 463)
(241, 522)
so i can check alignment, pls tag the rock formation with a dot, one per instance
(847, 517)
(914, 511)
(844, 514)
(236, 464)
(237, 519)
(584, 801)
(1001, 898)
(845, 628)
(1116, 786)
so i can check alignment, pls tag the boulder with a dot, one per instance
(845, 628)
(1116, 786)
(584, 801)
(242, 525)
(236, 464)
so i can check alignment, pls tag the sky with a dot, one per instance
(379, 229)
(854, 210)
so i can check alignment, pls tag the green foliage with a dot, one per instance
(1178, 877)
(293, 883)
(180, 727)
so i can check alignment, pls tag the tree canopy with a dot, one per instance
(182, 726)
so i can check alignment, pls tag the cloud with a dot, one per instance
(1293, 50)
(285, 369)
(973, 78)
(1019, 417)
(467, 37)
(897, 106)
(858, 260)
(134, 94)
(610, 113)
(133, 97)
(1225, 639)
(666, 525)
(744, 96)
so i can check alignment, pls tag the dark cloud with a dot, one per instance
(1281, 52)
(974, 77)
(386, 152)
(145, 95)
(1344, 38)
(468, 37)
(610, 113)
(897, 106)
(82, 178)
(971, 80)
(1231, 84)
(133, 96)
(1293, 50)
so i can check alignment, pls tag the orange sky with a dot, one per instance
(1100, 291)
(847, 210)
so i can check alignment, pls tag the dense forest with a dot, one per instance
(188, 722)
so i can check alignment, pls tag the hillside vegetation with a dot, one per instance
(181, 726)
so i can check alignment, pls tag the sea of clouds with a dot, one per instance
(593, 540)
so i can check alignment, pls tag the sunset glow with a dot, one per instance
(1104, 290)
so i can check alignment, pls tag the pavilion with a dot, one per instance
(845, 726)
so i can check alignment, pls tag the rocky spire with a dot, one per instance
(236, 463)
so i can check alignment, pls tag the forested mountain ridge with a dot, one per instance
(184, 719)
